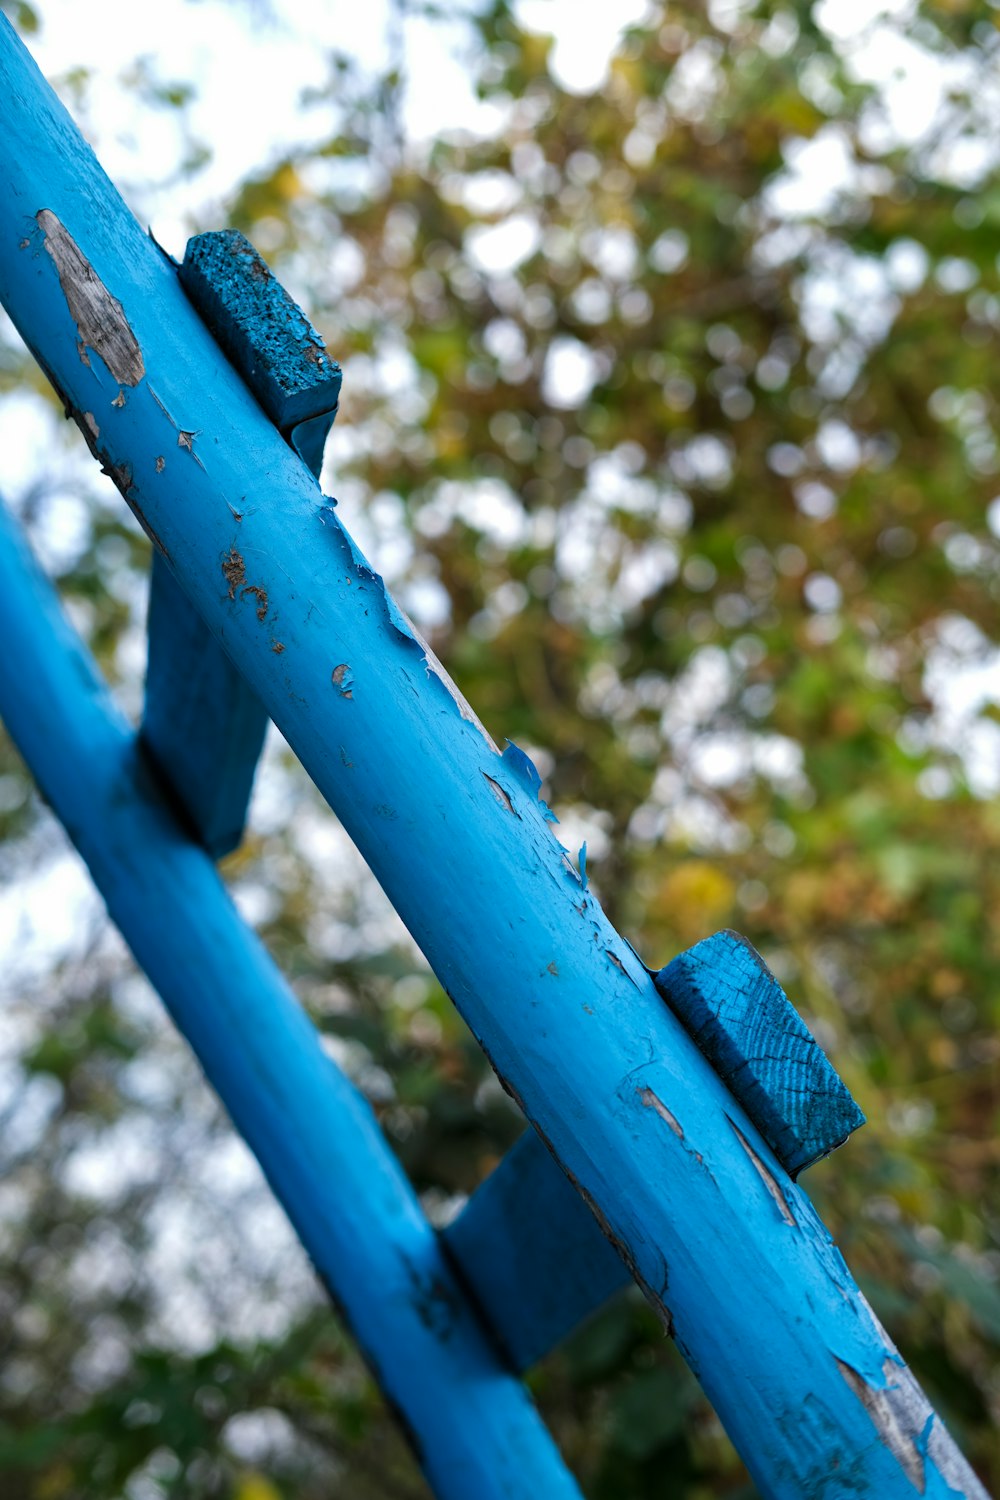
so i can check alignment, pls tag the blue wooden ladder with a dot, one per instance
(670, 1114)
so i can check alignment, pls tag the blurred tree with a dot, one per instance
(667, 413)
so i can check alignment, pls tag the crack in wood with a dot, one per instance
(653, 1101)
(499, 794)
(766, 1176)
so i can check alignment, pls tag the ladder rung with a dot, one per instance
(533, 1253)
(203, 724)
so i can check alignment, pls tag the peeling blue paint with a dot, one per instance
(400, 621)
(924, 1440)
(523, 767)
(526, 772)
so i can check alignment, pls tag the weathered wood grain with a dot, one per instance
(764, 1310)
(101, 324)
(746, 1026)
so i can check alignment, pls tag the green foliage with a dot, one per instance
(733, 592)
(23, 15)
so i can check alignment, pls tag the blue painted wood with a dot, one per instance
(267, 337)
(535, 1258)
(533, 1254)
(725, 1246)
(203, 724)
(758, 1043)
(472, 1423)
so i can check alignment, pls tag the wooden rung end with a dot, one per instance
(266, 335)
(744, 1023)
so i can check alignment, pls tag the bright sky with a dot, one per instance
(250, 70)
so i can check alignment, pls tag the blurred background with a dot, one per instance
(670, 414)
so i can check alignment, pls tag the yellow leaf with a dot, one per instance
(54, 1483)
(694, 899)
(254, 1486)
